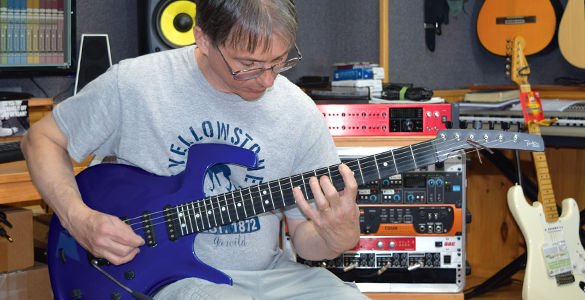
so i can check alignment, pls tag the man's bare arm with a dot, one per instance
(45, 149)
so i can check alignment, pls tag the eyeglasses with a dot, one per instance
(253, 73)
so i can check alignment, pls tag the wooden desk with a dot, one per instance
(16, 185)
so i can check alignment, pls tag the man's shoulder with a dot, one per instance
(157, 59)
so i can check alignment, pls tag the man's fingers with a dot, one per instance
(303, 204)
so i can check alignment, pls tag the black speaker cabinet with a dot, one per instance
(165, 24)
(94, 59)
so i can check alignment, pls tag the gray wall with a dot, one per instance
(333, 31)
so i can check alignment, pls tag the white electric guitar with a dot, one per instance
(555, 267)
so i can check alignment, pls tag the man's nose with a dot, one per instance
(266, 79)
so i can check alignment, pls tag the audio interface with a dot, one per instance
(412, 229)
(385, 119)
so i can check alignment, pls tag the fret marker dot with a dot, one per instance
(197, 216)
(209, 212)
(266, 202)
(385, 164)
(239, 204)
(183, 225)
(180, 214)
(264, 192)
(223, 208)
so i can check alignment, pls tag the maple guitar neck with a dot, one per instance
(519, 74)
(546, 195)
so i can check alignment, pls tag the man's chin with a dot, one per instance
(252, 96)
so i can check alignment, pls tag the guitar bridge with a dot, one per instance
(565, 278)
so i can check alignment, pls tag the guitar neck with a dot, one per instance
(226, 208)
(546, 194)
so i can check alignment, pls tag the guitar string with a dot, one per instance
(202, 222)
(296, 183)
(159, 229)
(246, 206)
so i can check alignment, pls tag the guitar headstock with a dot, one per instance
(449, 140)
(518, 68)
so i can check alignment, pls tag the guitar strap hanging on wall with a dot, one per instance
(436, 14)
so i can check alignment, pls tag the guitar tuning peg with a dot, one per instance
(448, 124)
(491, 125)
(477, 125)
(505, 126)
(508, 59)
(507, 67)
(507, 73)
(463, 124)
(520, 126)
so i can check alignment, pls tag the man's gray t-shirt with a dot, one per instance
(149, 110)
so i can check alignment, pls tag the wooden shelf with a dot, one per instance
(380, 141)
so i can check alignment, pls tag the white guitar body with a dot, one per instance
(537, 283)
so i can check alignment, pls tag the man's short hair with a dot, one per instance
(247, 24)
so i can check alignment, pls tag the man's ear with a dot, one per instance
(202, 40)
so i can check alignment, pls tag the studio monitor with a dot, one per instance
(94, 59)
(165, 24)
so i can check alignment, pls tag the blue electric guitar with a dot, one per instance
(168, 211)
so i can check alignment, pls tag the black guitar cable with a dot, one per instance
(400, 92)
(135, 294)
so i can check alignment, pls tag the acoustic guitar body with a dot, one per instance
(572, 33)
(500, 20)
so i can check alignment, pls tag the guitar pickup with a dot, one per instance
(565, 278)
(148, 227)
(171, 220)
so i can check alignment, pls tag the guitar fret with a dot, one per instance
(243, 204)
(188, 222)
(291, 183)
(252, 201)
(218, 211)
(270, 195)
(413, 159)
(361, 172)
(394, 159)
(227, 207)
(182, 220)
(261, 200)
(201, 215)
(377, 168)
(212, 212)
(221, 210)
(305, 186)
(191, 220)
(205, 214)
(282, 194)
(197, 218)
(235, 208)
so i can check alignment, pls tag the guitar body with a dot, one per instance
(500, 20)
(572, 33)
(537, 283)
(126, 191)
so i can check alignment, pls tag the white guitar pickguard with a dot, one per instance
(537, 232)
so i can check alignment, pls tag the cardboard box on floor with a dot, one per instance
(29, 284)
(19, 254)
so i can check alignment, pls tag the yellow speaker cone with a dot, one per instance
(177, 21)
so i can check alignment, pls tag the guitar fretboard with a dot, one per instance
(226, 208)
(546, 194)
